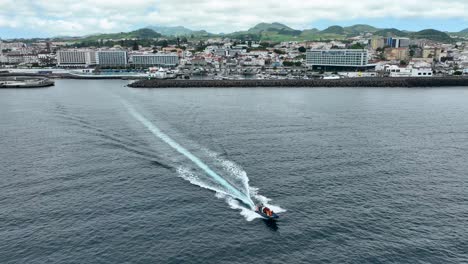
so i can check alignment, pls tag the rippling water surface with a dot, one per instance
(95, 172)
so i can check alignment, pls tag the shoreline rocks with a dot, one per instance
(348, 82)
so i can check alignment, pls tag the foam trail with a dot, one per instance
(168, 140)
(248, 214)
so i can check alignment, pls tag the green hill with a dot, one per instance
(464, 31)
(432, 34)
(277, 28)
(391, 32)
(429, 34)
(172, 31)
(180, 31)
(334, 30)
(144, 33)
(269, 27)
(360, 28)
(267, 31)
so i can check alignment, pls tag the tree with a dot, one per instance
(135, 46)
(164, 43)
(277, 51)
(302, 49)
(357, 46)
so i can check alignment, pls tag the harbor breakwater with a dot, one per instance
(348, 82)
(25, 82)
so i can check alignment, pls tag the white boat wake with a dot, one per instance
(232, 184)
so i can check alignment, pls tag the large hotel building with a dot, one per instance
(164, 60)
(76, 58)
(111, 58)
(337, 59)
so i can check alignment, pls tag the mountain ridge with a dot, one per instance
(275, 32)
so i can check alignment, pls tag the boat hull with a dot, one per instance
(272, 217)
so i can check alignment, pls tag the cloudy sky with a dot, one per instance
(40, 18)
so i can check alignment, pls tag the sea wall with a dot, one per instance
(24, 82)
(348, 82)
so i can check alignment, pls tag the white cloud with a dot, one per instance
(71, 17)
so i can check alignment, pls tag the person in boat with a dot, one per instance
(267, 211)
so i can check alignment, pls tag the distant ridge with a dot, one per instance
(143, 33)
(275, 32)
(464, 31)
(178, 31)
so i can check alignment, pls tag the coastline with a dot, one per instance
(349, 82)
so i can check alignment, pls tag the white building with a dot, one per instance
(3, 58)
(163, 60)
(395, 71)
(421, 72)
(112, 58)
(253, 62)
(12, 45)
(15, 59)
(76, 58)
(21, 58)
(337, 58)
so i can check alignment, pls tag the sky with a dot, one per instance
(48, 18)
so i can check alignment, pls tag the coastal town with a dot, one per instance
(229, 58)
(233, 132)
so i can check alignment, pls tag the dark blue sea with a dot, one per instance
(96, 172)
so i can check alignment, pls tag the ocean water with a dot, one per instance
(95, 172)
